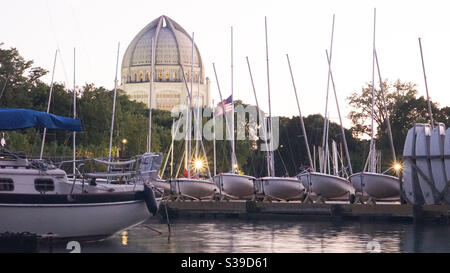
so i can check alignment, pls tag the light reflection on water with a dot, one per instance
(234, 235)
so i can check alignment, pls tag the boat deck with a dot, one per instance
(302, 211)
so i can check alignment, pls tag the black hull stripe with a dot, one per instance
(17, 198)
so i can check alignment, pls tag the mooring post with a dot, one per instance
(418, 214)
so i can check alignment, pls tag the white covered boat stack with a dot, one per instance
(426, 165)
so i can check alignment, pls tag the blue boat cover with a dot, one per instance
(12, 119)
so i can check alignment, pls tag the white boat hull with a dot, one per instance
(73, 220)
(437, 147)
(410, 184)
(280, 187)
(237, 185)
(376, 185)
(447, 160)
(326, 185)
(423, 150)
(161, 184)
(196, 188)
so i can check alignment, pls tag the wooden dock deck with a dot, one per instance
(303, 211)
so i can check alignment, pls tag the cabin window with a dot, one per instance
(44, 185)
(6, 184)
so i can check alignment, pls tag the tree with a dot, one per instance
(405, 109)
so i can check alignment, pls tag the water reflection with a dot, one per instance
(233, 235)
(124, 236)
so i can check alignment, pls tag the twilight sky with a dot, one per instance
(300, 28)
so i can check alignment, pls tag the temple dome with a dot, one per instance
(172, 68)
(173, 46)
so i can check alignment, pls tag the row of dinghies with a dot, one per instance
(307, 186)
(423, 180)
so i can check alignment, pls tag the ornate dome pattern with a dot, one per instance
(173, 46)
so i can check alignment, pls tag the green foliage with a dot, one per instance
(405, 109)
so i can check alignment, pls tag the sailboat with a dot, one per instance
(192, 186)
(284, 188)
(232, 183)
(323, 184)
(377, 185)
(37, 197)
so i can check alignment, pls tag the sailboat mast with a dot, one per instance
(214, 136)
(190, 108)
(221, 99)
(322, 162)
(335, 157)
(233, 152)
(340, 117)
(261, 120)
(300, 114)
(430, 114)
(114, 108)
(48, 104)
(372, 142)
(74, 115)
(198, 123)
(391, 141)
(152, 61)
(270, 153)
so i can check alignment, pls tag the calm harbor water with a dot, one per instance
(236, 235)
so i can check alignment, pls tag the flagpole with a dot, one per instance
(221, 99)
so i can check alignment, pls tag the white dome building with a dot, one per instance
(173, 55)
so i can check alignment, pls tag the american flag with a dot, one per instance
(227, 104)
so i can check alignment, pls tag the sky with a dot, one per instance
(300, 28)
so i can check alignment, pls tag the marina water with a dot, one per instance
(238, 235)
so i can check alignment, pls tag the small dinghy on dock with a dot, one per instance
(377, 185)
(371, 182)
(193, 188)
(285, 188)
(326, 185)
(235, 185)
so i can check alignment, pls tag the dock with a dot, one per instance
(304, 211)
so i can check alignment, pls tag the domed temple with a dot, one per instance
(173, 56)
